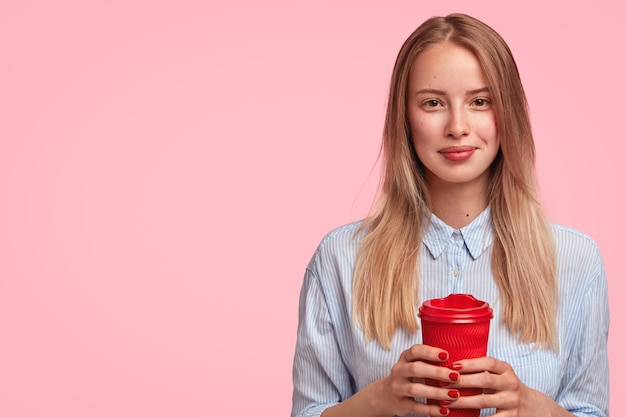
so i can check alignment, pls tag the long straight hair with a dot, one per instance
(386, 278)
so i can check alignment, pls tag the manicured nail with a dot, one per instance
(443, 356)
(457, 366)
(444, 411)
(454, 393)
(454, 376)
(444, 403)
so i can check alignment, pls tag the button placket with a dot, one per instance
(456, 259)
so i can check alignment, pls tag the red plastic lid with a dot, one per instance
(455, 308)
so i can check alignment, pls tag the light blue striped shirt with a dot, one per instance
(332, 360)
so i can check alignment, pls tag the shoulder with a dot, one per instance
(570, 241)
(579, 261)
(347, 234)
(339, 246)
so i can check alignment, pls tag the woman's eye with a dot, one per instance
(432, 103)
(481, 102)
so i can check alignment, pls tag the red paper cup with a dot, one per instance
(459, 324)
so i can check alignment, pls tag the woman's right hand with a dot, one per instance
(404, 390)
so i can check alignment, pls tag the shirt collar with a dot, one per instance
(478, 235)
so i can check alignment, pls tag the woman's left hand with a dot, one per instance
(502, 389)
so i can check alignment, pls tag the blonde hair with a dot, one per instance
(386, 275)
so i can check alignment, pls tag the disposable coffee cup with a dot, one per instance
(459, 324)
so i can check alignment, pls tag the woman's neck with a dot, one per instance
(458, 204)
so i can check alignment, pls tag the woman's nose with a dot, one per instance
(457, 125)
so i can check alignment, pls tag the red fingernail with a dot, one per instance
(453, 393)
(454, 376)
(443, 403)
(444, 411)
(443, 356)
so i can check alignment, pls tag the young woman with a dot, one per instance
(458, 214)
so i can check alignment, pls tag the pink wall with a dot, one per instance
(167, 169)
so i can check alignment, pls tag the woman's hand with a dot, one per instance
(502, 389)
(404, 390)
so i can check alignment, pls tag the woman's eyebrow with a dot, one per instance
(430, 91)
(478, 90)
(440, 92)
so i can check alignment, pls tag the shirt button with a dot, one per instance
(456, 272)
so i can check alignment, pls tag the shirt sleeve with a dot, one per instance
(585, 389)
(320, 376)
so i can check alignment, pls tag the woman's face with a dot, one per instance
(451, 116)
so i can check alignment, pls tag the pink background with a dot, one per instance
(167, 169)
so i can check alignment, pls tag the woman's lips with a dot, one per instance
(457, 153)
